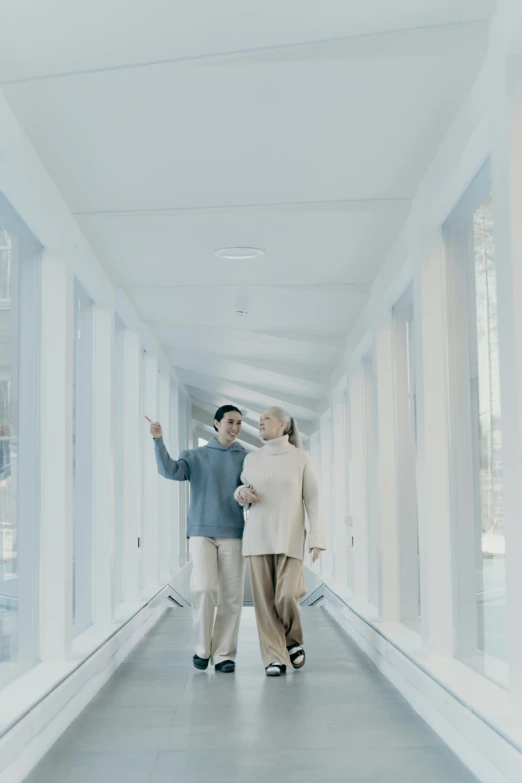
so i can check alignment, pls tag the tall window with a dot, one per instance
(20, 256)
(477, 435)
(145, 443)
(119, 445)
(315, 454)
(82, 459)
(327, 559)
(348, 486)
(406, 423)
(370, 451)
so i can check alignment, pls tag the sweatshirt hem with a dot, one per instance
(212, 532)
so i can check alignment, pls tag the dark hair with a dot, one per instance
(222, 412)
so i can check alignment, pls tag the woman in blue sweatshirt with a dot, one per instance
(215, 528)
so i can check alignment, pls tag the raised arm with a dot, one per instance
(177, 470)
(317, 539)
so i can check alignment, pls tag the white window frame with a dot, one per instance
(467, 553)
(406, 460)
(25, 305)
(370, 440)
(83, 482)
(119, 457)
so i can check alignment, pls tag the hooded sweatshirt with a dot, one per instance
(214, 473)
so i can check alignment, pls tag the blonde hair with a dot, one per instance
(291, 428)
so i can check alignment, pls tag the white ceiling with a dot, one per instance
(176, 127)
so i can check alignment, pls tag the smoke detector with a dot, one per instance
(239, 253)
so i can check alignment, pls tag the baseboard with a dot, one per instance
(29, 739)
(490, 757)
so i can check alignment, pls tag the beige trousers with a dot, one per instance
(277, 583)
(218, 572)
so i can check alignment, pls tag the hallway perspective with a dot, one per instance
(271, 250)
(160, 721)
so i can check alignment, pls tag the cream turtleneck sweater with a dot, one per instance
(286, 484)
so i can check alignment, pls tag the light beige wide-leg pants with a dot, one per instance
(218, 571)
(277, 583)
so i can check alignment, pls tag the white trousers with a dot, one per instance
(218, 575)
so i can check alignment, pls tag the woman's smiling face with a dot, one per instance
(270, 427)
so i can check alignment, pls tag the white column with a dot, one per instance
(56, 498)
(164, 485)
(506, 163)
(435, 541)
(184, 488)
(132, 429)
(150, 485)
(102, 467)
(315, 453)
(340, 544)
(359, 522)
(327, 558)
(173, 446)
(387, 483)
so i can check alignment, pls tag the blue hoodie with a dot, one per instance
(214, 473)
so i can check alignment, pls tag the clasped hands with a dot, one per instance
(249, 495)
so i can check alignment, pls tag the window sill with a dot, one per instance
(488, 701)
(26, 692)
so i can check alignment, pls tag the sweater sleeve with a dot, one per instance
(244, 483)
(311, 503)
(177, 470)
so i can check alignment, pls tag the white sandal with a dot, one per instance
(275, 669)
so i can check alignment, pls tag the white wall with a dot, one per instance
(488, 126)
(151, 512)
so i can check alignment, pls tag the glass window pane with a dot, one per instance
(370, 449)
(406, 421)
(145, 444)
(82, 460)
(476, 435)
(20, 256)
(487, 441)
(119, 416)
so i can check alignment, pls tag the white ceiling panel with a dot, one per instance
(325, 310)
(331, 244)
(174, 128)
(43, 37)
(170, 137)
(319, 353)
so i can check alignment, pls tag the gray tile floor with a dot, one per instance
(160, 721)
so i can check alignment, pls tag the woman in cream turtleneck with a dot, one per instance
(278, 484)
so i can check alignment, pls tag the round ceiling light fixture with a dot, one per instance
(239, 253)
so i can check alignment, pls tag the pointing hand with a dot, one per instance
(155, 428)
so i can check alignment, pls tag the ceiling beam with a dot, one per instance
(244, 396)
(269, 382)
(251, 415)
(401, 40)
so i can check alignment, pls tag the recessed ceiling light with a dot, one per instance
(239, 253)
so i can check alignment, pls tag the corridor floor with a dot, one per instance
(159, 721)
